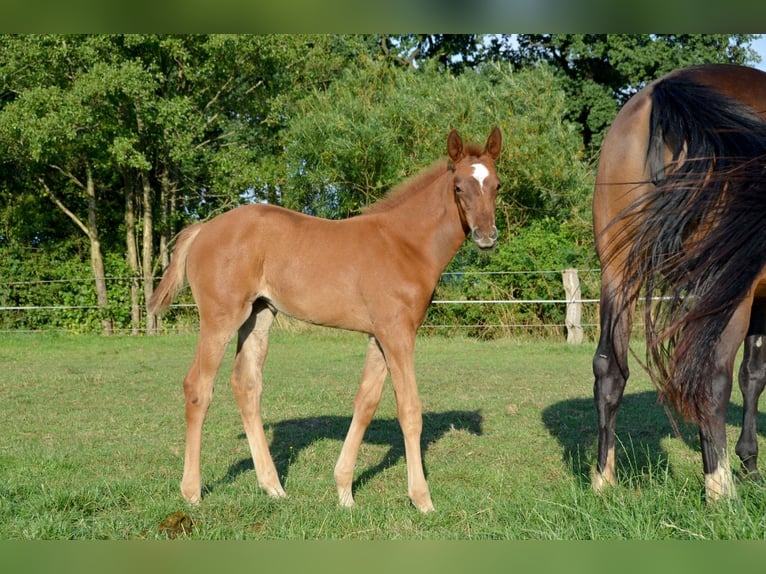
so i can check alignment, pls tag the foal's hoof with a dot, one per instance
(423, 503)
(426, 507)
(192, 496)
(275, 492)
(345, 498)
(273, 489)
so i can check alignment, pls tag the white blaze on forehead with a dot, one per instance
(480, 173)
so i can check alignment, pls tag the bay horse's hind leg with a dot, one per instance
(752, 379)
(719, 483)
(247, 384)
(610, 368)
(365, 404)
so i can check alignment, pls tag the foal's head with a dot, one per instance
(476, 184)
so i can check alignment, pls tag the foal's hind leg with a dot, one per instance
(610, 367)
(365, 404)
(247, 384)
(752, 379)
(198, 391)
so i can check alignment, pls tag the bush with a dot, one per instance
(59, 279)
(527, 266)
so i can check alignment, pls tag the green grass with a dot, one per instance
(93, 435)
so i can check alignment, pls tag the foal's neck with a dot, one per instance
(429, 220)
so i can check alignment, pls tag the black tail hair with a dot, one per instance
(697, 240)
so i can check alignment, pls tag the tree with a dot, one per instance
(125, 131)
(379, 124)
(602, 71)
(454, 52)
(60, 126)
(134, 136)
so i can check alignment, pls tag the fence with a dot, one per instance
(484, 303)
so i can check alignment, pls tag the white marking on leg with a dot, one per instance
(719, 484)
(600, 480)
(759, 342)
(480, 173)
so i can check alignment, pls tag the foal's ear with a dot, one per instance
(494, 144)
(455, 146)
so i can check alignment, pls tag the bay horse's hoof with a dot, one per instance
(599, 481)
(719, 485)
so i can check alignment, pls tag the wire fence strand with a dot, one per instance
(448, 279)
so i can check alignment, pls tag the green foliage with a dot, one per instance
(379, 124)
(601, 71)
(525, 266)
(59, 279)
(321, 123)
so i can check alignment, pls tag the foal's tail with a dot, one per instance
(698, 239)
(175, 275)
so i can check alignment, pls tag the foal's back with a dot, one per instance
(337, 273)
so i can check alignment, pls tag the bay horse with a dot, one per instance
(373, 273)
(679, 216)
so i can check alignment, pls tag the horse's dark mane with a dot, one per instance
(397, 195)
(698, 239)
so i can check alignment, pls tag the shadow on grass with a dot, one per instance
(641, 426)
(294, 435)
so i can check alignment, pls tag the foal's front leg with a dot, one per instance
(247, 384)
(400, 357)
(365, 404)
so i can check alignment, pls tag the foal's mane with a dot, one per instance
(397, 195)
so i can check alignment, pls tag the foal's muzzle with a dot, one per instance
(484, 240)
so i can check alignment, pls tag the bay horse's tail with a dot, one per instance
(175, 275)
(698, 238)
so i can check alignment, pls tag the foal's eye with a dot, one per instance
(457, 189)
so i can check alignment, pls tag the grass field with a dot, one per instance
(93, 435)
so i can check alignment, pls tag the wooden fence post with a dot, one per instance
(574, 307)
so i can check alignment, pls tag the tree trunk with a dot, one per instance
(148, 251)
(91, 230)
(167, 209)
(96, 259)
(167, 206)
(131, 250)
